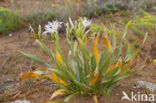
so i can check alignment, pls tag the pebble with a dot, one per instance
(10, 35)
(148, 85)
(20, 101)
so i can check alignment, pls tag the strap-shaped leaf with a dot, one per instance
(45, 49)
(28, 75)
(68, 98)
(110, 68)
(114, 41)
(94, 79)
(122, 76)
(59, 58)
(60, 73)
(93, 63)
(119, 51)
(119, 63)
(113, 72)
(34, 58)
(84, 48)
(59, 92)
(95, 49)
(103, 58)
(54, 77)
(107, 43)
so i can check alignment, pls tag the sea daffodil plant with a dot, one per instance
(84, 72)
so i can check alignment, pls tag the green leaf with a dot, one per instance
(129, 54)
(45, 49)
(93, 63)
(102, 61)
(119, 52)
(60, 73)
(111, 87)
(126, 28)
(113, 72)
(136, 52)
(68, 98)
(84, 48)
(34, 58)
(105, 80)
(122, 76)
(103, 58)
(105, 66)
(114, 41)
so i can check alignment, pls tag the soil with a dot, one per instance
(12, 64)
(30, 6)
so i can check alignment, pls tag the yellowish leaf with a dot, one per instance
(55, 65)
(58, 92)
(46, 77)
(120, 63)
(54, 77)
(63, 82)
(80, 41)
(107, 43)
(94, 79)
(95, 99)
(59, 58)
(95, 49)
(110, 68)
(28, 75)
(105, 30)
(131, 60)
(41, 68)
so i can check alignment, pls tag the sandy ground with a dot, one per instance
(30, 6)
(12, 64)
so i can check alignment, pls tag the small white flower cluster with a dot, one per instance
(52, 27)
(86, 22)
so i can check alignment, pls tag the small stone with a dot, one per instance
(20, 101)
(10, 35)
(148, 85)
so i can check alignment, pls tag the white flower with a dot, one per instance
(52, 27)
(86, 22)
